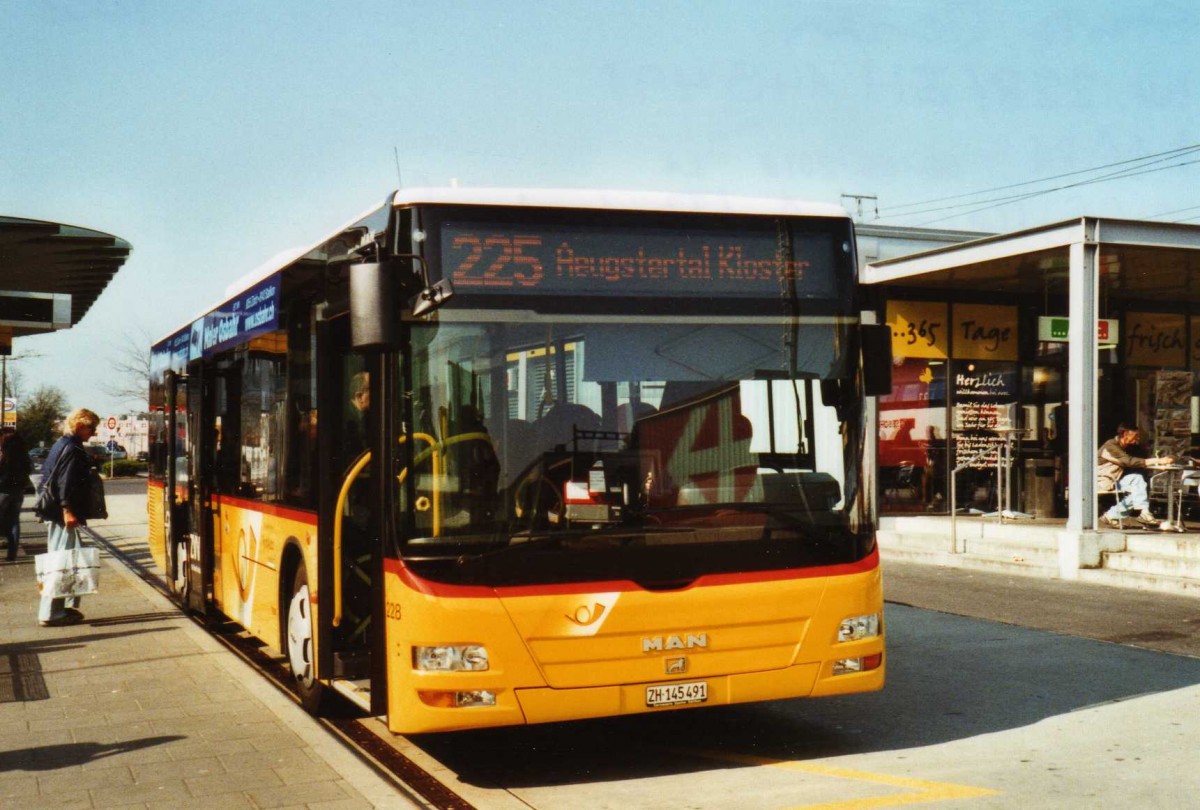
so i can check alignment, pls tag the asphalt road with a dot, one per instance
(1002, 692)
(1144, 619)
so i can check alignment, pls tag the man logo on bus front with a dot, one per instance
(686, 641)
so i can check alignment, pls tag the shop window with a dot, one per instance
(912, 438)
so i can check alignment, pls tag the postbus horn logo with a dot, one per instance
(585, 615)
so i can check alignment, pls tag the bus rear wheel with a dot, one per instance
(299, 643)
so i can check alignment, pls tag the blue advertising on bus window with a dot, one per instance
(252, 313)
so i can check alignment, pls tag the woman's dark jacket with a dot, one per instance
(69, 479)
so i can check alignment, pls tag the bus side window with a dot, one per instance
(262, 424)
(300, 449)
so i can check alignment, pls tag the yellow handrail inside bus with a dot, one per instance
(433, 450)
(338, 516)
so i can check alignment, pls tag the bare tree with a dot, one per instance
(130, 381)
(14, 382)
(13, 377)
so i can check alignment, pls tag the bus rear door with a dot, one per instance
(197, 546)
(176, 493)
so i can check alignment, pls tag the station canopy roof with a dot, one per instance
(1143, 260)
(49, 257)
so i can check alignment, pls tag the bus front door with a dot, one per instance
(348, 643)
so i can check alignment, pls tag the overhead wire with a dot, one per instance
(1176, 211)
(996, 203)
(1132, 171)
(1119, 175)
(1177, 152)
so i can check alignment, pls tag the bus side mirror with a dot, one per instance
(372, 305)
(876, 343)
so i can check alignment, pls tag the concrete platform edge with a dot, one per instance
(373, 787)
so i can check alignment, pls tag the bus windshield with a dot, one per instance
(535, 435)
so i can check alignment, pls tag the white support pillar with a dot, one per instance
(1083, 363)
(870, 460)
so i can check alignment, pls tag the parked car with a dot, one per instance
(38, 454)
(98, 453)
(143, 455)
(105, 452)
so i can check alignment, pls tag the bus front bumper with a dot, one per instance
(546, 705)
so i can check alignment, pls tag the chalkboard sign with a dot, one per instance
(984, 400)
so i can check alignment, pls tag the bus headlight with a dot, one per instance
(451, 658)
(858, 627)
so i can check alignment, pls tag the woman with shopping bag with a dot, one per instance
(64, 506)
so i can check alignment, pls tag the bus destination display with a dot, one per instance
(506, 259)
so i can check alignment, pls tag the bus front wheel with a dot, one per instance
(299, 642)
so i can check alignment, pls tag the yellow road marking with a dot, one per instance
(921, 790)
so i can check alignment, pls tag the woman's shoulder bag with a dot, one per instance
(93, 496)
(46, 505)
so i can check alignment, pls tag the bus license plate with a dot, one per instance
(672, 694)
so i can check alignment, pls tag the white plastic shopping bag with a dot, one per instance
(71, 572)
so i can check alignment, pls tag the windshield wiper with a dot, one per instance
(794, 519)
(614, 536)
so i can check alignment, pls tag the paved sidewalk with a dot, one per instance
(138, 708)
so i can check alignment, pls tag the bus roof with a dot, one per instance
(541, 198)
(616, 200)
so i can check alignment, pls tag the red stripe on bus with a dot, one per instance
(287, 512)
(430, 588)
(152, 484)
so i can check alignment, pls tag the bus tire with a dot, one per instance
(299, 646)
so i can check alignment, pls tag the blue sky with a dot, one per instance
(213, 135)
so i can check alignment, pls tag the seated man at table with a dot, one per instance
(1117, 470)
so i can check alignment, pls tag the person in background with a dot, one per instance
(354, 439)
(15, 467)
(68, 483)
(1117, 470)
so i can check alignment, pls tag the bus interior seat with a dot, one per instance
(629, 413)
(558, 425)
(517, 450)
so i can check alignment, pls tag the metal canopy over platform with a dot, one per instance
(1155, 261)
(52, 258)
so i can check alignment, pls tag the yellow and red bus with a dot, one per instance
(487, 457)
